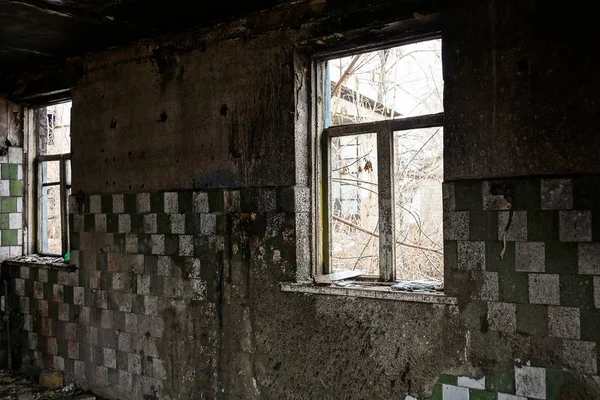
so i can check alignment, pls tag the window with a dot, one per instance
(382, 165)
(50, 174)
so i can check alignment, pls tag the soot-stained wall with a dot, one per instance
(188, 211)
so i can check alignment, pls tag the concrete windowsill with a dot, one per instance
(381, 293)
(37, 261)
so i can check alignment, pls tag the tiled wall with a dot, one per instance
(522, 383)
(540, 278)
(139, 316)
(11, 203)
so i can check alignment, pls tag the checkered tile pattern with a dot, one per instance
(147, 265)
(11, 203)
(532, 247)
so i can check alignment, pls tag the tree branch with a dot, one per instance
(414, 246)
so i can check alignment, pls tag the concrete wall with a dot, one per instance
(184, 224)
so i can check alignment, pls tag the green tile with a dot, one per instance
(137, 223)
(163, 222)
(9, 237)
(448, 379)
(190, 224)
(437, 393)
(9, 171)
(450, 255)
(590, 325)
(577, 291)
(527, 195)
(216, 202)
(157, 202)
(482, 395)
(89, 222)
(9, 204)
(130, 203)
(513, 287)
(249, 199)
(145, 244)
(555, 379)
(493, 263)
(501, 382)
(561, 258)
(483, 225)
(468, 196)
(586, 193)
(185, 202)
(532, 319)
(119, 239)
(150, 265)
(4, 221)
(68, 294)
(74, 240)
(171, 244)
(112, 223)
(106, 204)
(542, 225)
(16, 188)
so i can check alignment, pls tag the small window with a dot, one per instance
(51, 172)
(383, 163)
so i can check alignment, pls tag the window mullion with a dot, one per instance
(63, 207)
(386, 202)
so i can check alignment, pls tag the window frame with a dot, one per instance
(64, 187)
(385, 156)
(34, 186)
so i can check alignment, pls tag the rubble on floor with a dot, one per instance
(15, 386)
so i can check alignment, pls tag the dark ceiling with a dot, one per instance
(35, 32)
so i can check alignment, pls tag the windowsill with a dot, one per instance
(381, 293)
(37, 261)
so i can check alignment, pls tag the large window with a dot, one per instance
(382, 164)
(50, 174)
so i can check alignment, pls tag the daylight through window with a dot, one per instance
(383, 125)
(52, 166)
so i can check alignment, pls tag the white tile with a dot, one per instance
(95, 204)
(505, 396)
(19, 204)
(124, 223)
(564, 322)
(15, 155)
(467, 382)
(454, 393)
(530, 382)
(589, 258)
(143, 202)
(4, 188)
(544, 289)
(200, 202)
(15, 221)
(171, 202)
(118, 204)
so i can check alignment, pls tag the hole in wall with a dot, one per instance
(113, 124)
(223, 109)
(162, 117)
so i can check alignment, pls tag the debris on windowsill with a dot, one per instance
(337, 276)
(427, 286)
(36, 260)
(424, 285)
